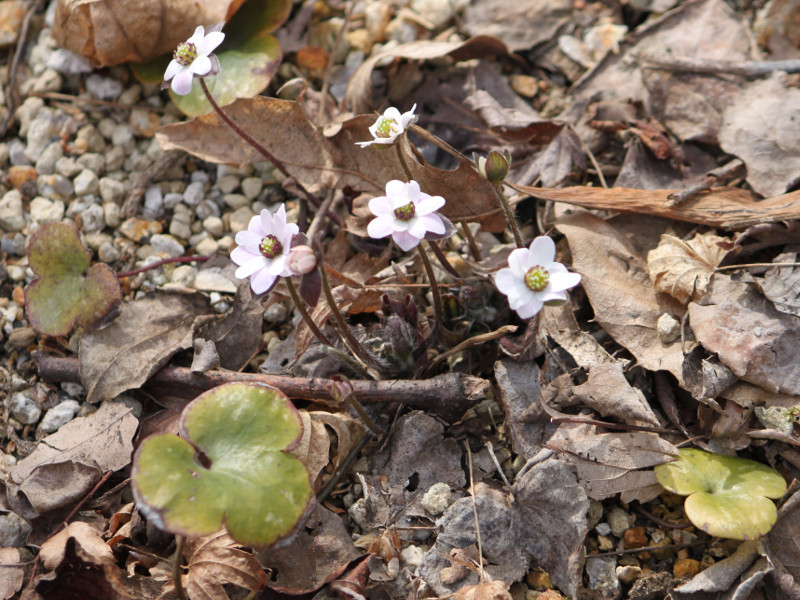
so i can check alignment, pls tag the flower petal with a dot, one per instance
(241, 255)
(428, 204)
(173, 68)
(502, 281)
(380, 228)
(543, 250)
(288, 233)
(395, 187)
(279, 219)
(210, 42)
(413, 193)
(433, 223)
(262, 281)
(530, 309)
(549, 296)
(405, 240)
(393, 114)
(562, 281)
(518, 262)
(197, 36)
(365, 144)
(249, 239)
(267, 222)
(251, 266)
(200, 65)
(380, 206)
(182, 82)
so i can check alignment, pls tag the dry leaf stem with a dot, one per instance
(180, 542)
(438, 323)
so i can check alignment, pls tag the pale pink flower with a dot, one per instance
(193, 58)
(407, 214)
(263, 249)
(389, 126)
(533, 279)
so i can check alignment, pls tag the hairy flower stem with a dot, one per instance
(473, 245)
(160, 263)
(438, 323)
(321, 337)
(350, 341)
(180, 542)
(509, 212)
(263, 151)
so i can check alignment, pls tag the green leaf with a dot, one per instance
(727, 495)
(67, 291)
(229, 467)
(248, 58)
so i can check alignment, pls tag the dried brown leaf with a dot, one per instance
(12, 578)
(512, 21)
(110, 32)
(683, 269)
(609, 393)
(782, 284)
(91, 546)
(490, 590)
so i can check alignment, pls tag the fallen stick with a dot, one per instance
(449, 396)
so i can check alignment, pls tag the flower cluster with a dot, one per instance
(534, 279)
(389, 126)
(407, 214)
(193, 58)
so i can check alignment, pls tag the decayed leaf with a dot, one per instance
(615, 279)
(683, 269)
(490, 590)
(783, 542)
(67, 292)
(721, 576)
(12, 578)
(512, 22)
(313, 446)
(90, 546)
(559, 323)
(756, 341)
(782, 284)
(214, 561)
(359, 87)
(320, 161)
(66, 464)
(110, 32)
(609, 393)
(148, 332)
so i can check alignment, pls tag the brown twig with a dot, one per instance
(753, 68)
(448, 395)
(715, 177)
(160, 263)
(657, 520)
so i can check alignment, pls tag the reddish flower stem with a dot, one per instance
(160, 263)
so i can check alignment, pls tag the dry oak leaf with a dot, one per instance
(215, 560)
(12, 578)
(91, 546)
(110, 32)
(490, 590)
(683, 269)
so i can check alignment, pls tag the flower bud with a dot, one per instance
(493, 167)
(302, 260)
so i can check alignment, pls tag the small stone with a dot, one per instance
(144, 122)
(12, 217)
(12, 243)
(86, 183)
(59, 415)
(153, 203)
(194, 193)
(166, 244)
(209, 280)
(214, 226)
(252, 186)
(132, 95)
(68, 63)
(411, 556)
(14, 530)
(55, 187)
(43, 129)
(603, 528)
(16, 152)
(239, 219)
(23, 408)
(49, 80)
(629, 573)
(207, 246)
(228, 183)
(92, 218)
(635, 537)
(276, 313)
(111, 190)
(525, 85)
(112, 214)
(669, 328)
(604, 543)
(108, 253)
(88, 139)
(103, 88)
(12, 14)
(106, 127)
(44, 210)
(172, 199)
(21, 337)
(67, 166)
(236, 200)
(139, 230)
(181, 224)
(358, 512)
(619, 521)
(20, 175)
(46, 163)
(131, 402)
(184, 275)
(123, 137)
(94, 162)
(776, 417)
(115, 158)
(436, 499)
(685, 567)
(602, 576)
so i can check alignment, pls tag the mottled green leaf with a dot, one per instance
(67, 292)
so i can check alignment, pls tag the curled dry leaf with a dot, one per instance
(89, 546)
(12, 578)
(490, 590)
(110, 32)
(683, 269)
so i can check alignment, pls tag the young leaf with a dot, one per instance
(727, 496)
(67, 291)
(229, 467)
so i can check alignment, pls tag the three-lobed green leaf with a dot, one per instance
(727, 496)
(67, 292)
(229, 467)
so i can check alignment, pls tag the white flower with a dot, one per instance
(390, 125)
(533, 279)
(193, 58)
(405, 213)
(263, 248)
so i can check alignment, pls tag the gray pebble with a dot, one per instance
(206, 246)
(49, 81)
(123, 137)
(602, 576)
(436, 499)
(86, 183)
(26, 113)
(115, 158)
(67, 167)
(236, 200)
(111, 190)
(43, 129)
(239, 219)
(228, 183)
(130, 402)
(194, 193)
(108, 253)
(214, 226)
(276, 313)
(103, 88)
(12, 217)
(14, 530)
(153, 203)
(206, 209)
(358, 512)
(200, 176)
(106, 127)
(166, 244)
(181, 224)
(96, 240)
(172, 199)
(184, 275)
(55, 187)
(13, 244)
(45, 210)
(59, 415)
(94, 162)
(89, 139)
(46, 163)
(16, 153)
(619, 521)
(23, 408)
(93, 218)
(112, 214)
(67, 62)
(251, 187)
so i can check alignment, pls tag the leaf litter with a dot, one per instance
(659, 346)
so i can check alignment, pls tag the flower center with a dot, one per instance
(536, 278)
(386, 127)
(270, 247)
(405, 212)
(185, 53)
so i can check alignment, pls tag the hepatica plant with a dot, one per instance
(230, 466)
(727, 496)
